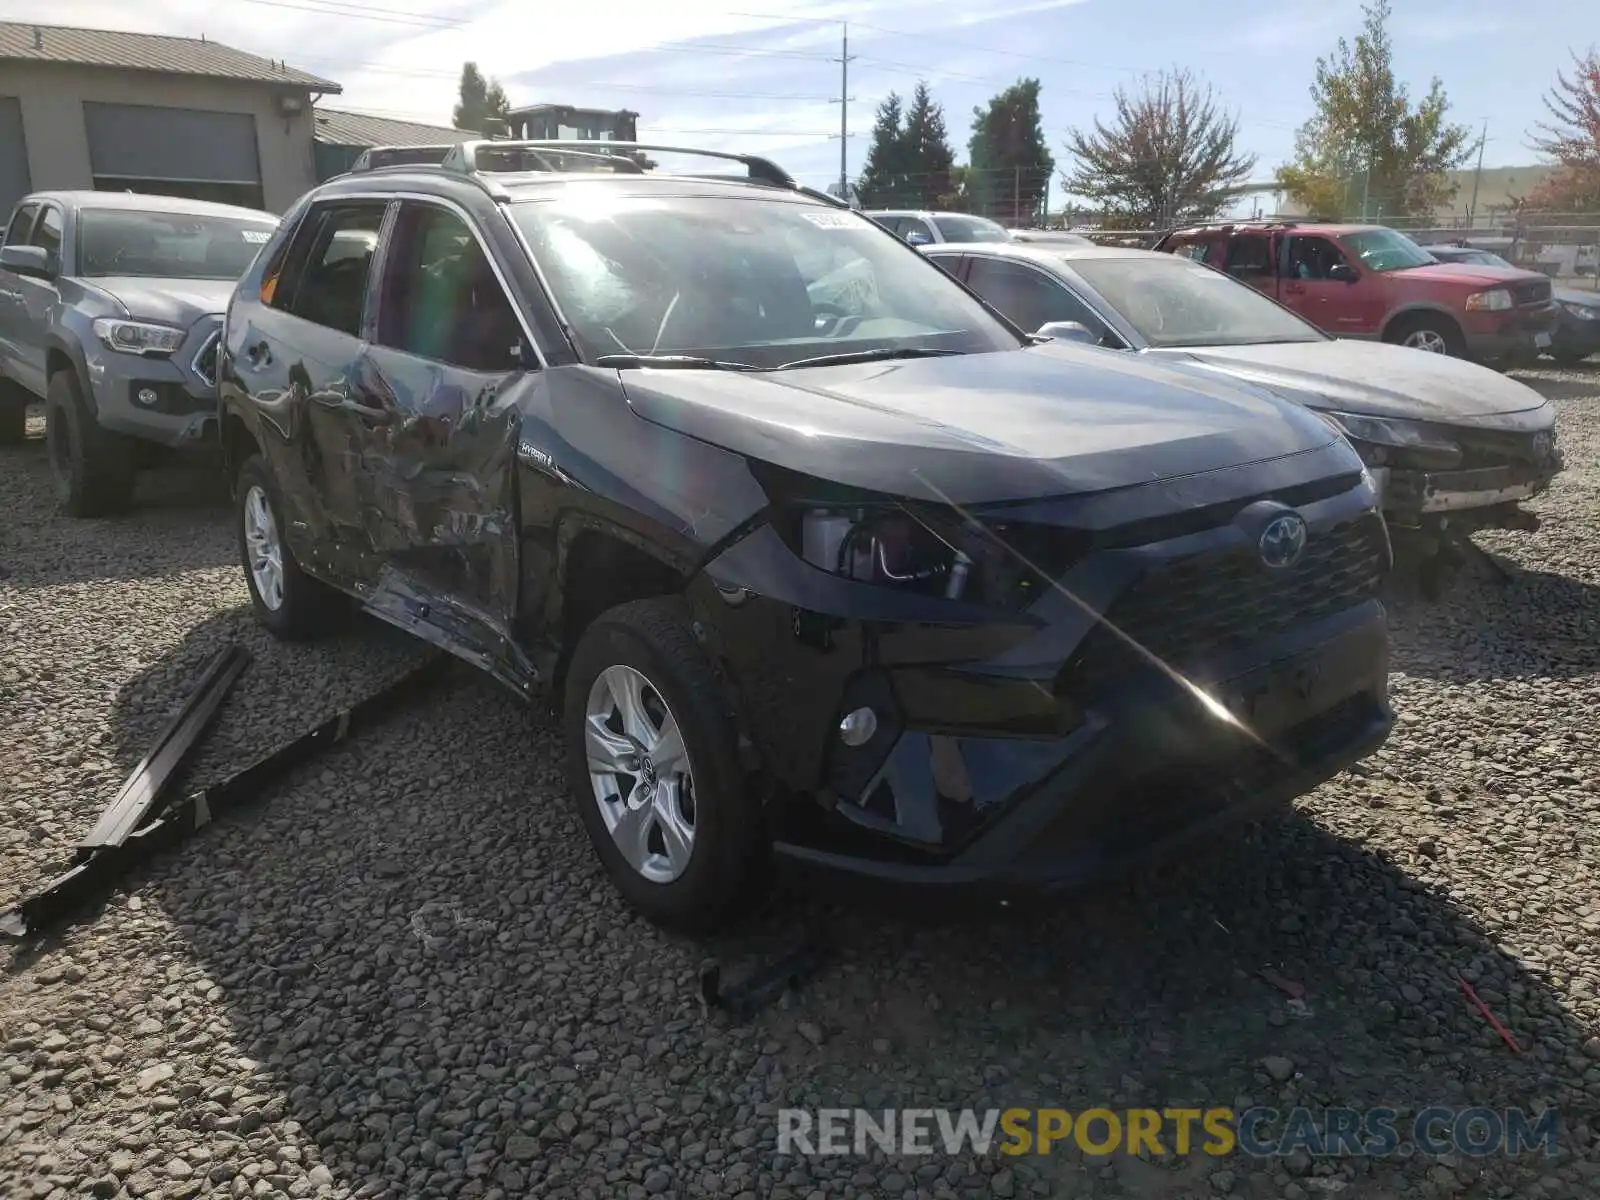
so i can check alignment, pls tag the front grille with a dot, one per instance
(1497, 448)
(1195, 608)
(205, 362)
(1535, 291)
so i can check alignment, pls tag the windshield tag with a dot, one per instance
(829, 220)
(256, 237)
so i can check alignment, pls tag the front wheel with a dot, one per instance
(1434, 335)
(652, 766)
(94, 469)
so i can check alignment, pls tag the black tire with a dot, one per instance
(729, 846)
(13, 413)
(1425, 324)
(1566, 358)
(306, 606)
(94, 469)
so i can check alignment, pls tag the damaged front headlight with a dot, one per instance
(1384, 441)
(887, 547)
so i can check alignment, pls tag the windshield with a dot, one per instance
(1385, 250)
(168, 245)
(756, 282)
(1479, 258)
(970, 229)
(1172, 301)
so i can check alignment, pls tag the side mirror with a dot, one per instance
(1343, 273)
(28, 260)
(1067, 331)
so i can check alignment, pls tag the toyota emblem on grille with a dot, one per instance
(1282, 541)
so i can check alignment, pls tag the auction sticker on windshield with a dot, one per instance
(256, 237)
(830, 220)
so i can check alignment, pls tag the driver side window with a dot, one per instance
(1313, 258)
(331, 289)
(916, 231)
(1028, 297)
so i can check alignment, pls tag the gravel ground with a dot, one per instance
(405, 975)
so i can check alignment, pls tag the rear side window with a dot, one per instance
(21, 222)
(329, 264)
(1249, 257)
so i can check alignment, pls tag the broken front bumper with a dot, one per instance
(1037, 747)
(1480, 498)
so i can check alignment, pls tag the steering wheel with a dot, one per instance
(842, 320)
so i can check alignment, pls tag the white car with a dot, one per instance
(922, 228)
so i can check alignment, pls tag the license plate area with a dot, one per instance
(1279, 695)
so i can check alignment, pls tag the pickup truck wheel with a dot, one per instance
(653, 768)
(1435, 335)
(13, 413)
(287, 602)
(94, 469)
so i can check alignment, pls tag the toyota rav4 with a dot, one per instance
(817, 554)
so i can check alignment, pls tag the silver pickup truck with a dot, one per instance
(110, 314)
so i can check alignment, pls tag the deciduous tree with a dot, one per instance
(1369, 149)
(1571, 136)
(1170, 154)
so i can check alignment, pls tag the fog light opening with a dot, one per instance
(857, 727)
(146, 396)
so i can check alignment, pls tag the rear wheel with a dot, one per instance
(287, 602)
(652, 766)
(1433, 334)
(14, 401)
(94, 469)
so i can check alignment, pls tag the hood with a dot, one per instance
(1047, 420)
(1473, 273)
(1572, 296)
(1373, 379)
(178, 302)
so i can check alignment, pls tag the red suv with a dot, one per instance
(1367, 281)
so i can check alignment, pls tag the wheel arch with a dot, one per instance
(63, 354)
(1412, 311)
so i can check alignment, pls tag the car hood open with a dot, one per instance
(1373, 379)
(178, 302)
(1047, 420)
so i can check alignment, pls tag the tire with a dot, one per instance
(13, 413)
(691, 883)
(94, 469)
(1435, 335)
(288, 603)
(1566, 358)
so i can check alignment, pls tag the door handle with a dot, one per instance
(258, 354)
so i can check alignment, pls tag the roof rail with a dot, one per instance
(479, 158)
(374, 157)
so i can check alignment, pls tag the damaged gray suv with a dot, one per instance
(819, 557)
(110, 313)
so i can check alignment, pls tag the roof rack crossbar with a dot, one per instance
(763, 170)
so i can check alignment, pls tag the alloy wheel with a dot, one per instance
(1430, 340)
(640, 773)
(263, 547)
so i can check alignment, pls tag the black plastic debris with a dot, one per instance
(138, 823)
(743, 999)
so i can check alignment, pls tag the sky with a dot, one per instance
(763, 78)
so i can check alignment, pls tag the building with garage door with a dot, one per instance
(342, 136)
(89, 108)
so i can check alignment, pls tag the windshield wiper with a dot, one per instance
(688, 362)
(861, 356)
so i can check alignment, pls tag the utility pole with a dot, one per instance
(845, 58)
(1472, 209)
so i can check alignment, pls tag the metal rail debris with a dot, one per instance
(137, 824)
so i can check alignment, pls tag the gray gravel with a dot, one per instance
(405, 975)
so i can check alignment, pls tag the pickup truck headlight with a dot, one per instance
(1583, 312)
(1494, 300)
(138, 337)
(1384, 441)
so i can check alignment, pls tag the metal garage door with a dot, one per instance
(131, 145)
(13, 155)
